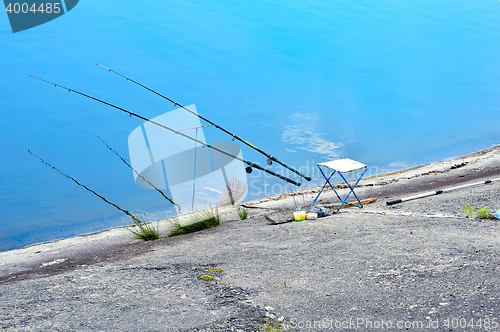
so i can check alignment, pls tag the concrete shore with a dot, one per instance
(419, 262)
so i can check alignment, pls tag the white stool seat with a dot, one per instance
(340, 166)
(345, 165)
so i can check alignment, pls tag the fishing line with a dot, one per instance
(303, 197)
(291, 190)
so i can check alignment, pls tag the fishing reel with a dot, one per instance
(249, 169)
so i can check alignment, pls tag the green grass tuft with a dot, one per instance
(271, 326)
(199, 220)
(207, 277)
(242, 212)
(144, 231)
(484, 213)
(216, 269)
(468, 210)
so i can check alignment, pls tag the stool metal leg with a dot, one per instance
(352, 191)
(343, 201)
(327, 182)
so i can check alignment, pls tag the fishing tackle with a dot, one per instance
(438, 192)
(139, 175)
(249, 163)
(270, 157)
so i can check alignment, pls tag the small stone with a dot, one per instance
(268, 308)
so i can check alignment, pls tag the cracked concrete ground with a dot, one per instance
(420, 265)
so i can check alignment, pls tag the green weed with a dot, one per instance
(200, 220)
(271, 326)
(207, 277)
(484, 213)
(216, 269)
(144, 231)
(242, 212)
(468, 210)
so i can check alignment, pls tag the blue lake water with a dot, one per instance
(390, 83)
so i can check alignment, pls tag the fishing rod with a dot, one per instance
(249, 163)
(270, 157)
(437, 192)
(139, 175)
(136, 220)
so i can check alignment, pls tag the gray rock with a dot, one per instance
(279, 217)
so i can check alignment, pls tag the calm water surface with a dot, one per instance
(390, 83)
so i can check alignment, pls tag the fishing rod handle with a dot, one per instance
(273, 158)
(251, 164)
(394, 201)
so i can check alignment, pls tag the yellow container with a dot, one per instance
(299, 215)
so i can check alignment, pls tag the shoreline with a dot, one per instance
(364, 182)
(109, 244)
(419, 261)
(417, 171)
